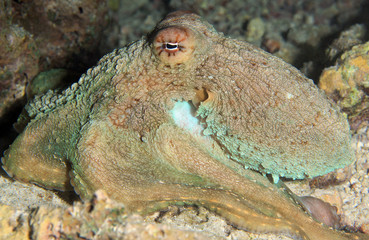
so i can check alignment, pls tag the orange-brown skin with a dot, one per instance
(177, 117)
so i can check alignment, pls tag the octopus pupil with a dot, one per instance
(171, 46)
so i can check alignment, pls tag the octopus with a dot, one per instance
(188, 116)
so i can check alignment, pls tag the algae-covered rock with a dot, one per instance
(65, 31)
(40, 35)
(348, 82)
(354, 35)
(18, 63)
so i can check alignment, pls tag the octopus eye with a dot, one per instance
(174, 45)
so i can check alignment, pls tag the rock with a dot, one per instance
(255, 30)
(348, 82)
(19, 59)
(99, 218)
(13, 224)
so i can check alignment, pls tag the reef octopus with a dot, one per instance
(186, 115)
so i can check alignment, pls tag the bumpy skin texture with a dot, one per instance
(128, 126)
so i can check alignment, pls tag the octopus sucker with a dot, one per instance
(188, 116)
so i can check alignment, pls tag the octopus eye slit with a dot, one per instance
(171, 46)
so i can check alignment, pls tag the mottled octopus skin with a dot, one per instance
(118, 129)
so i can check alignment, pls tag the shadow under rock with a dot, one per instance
(7, 132)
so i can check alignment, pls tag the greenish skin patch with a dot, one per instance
(161, 122)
